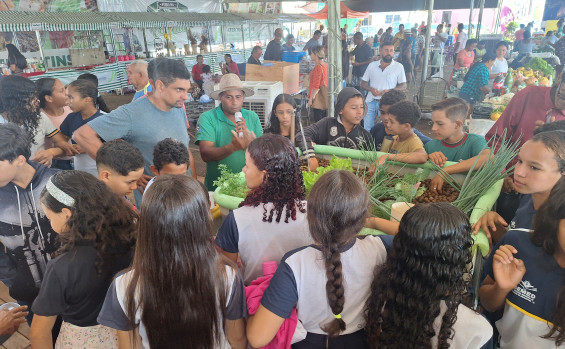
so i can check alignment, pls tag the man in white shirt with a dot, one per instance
(439, 40)
(380, 77)
(321, 39)
(461, 41)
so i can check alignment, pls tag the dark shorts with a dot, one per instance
(356, 340)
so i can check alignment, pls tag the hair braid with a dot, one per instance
(334, 288)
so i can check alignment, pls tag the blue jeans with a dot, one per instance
(372, 113)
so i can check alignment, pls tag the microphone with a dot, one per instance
(239, 118)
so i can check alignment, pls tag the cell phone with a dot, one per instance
(239, 118)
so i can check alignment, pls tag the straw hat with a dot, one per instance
(231, 82)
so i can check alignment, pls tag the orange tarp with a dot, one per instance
(346, 12)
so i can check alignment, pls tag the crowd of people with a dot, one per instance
(108, 239)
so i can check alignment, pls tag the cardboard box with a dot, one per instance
(286, 72)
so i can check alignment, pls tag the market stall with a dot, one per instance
(124, 36)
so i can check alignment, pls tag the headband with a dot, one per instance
(58, 194)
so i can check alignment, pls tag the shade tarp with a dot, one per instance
(55, 21)
(414, 5)
(346, 12)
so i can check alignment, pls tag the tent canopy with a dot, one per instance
(414, 5)
(57, 21)
(346, 12)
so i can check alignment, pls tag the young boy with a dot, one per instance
(451, 143)
(25, 231)
(119, 165)
(406, 146)
(379, 130)
(170, 156)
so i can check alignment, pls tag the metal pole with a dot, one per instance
(480, 21)
(334, 54)
(243, 40)
(471, 8)
(145, 43)
(224, 41)
(427, 46)
(113, 38)
(497, 18)
(40, 49)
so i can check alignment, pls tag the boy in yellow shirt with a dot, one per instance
(407, 146)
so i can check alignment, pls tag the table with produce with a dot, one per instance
(536, 72)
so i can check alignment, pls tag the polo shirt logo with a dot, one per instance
(512, 225)
(333, 131)
(526, 291)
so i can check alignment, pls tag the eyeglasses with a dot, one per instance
(560, 94)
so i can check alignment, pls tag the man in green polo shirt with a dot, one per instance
(221, 138)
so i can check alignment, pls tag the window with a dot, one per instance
(388, 19)
(365, 21)
(396, 18)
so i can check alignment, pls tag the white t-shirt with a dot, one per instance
(113, 312)
(550, 39)
(440, 43)
(45, 130)
(462, 40)
(256, 241)
(381, 79)
(57, 120)
(300, 281)
(472, 330)
(499, 66)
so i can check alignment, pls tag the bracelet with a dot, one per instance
(52, 152)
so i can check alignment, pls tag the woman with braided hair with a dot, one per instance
(272, 219)
(328, 282)
(417, 298)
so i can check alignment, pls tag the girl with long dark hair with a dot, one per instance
(284, 107)
(19, 105)
(328, 282)
(272, 219)
(54, 104)
(423, 281)
(541, 164)
(526, 276)
(96, 230)
(179, 292)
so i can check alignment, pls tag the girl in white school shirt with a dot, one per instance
(328, 281)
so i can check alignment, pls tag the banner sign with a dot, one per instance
(54, 58)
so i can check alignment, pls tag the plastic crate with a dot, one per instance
(293, 57)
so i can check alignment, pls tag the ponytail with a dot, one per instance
(337, 207)
(334, 288)
(102, 105)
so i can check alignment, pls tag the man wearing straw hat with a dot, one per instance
(224, 132)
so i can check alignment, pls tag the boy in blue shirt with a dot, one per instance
(451, 143)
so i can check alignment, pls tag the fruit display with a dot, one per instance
(526, 76)
(498, 104)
